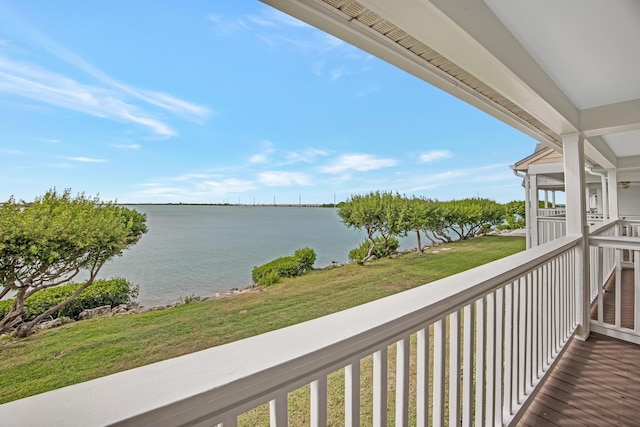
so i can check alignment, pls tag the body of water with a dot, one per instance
(201, 250)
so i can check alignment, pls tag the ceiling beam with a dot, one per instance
(526, 84)
(612, 118)
(599, 152)
(628, 163)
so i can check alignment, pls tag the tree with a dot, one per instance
(48, 242)
(422, 215)
(515, 214)
(471, 217)
(363, 212)
(381, 213)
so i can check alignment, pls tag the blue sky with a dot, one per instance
(219, 101)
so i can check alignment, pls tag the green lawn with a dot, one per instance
(85, 350)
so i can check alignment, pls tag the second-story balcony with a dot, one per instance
(472, 349)
(548, 336)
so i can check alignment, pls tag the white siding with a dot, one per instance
(629, 201)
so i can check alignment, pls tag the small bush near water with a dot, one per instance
(111, 292)
(289, 266)
(379, 251)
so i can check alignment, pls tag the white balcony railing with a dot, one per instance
(482, 341)
(615, 250)
(551, 229)
(551, 212)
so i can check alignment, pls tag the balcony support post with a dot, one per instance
(546, 199)
(533, 196)
(612, 177)
(527, 209)
(573, 147)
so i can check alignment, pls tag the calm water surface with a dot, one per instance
(201, 250)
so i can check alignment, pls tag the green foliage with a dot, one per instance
(46, 243)
(290, 266)
(268, 278)
(86, 350)
(382, 249)
(472, 217)
(306, 257)
(515, 214)
(188, 299)
(381, 214)
(111, 292)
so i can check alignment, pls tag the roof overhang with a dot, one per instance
(495, 55)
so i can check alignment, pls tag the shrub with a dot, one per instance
(290, 266)
(270, 278)
(111, 292)
(380, 250)
(306, 258)
(515, 213)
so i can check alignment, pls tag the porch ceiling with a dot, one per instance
(547, 68)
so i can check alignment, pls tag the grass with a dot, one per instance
(90, 349)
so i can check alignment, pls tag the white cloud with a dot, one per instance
(12, 151)
(29, 81)
(359, 163)
(227, 27)
(460, 178)
(267, 149)
(306, 156)
(258, 158)
(127, 146)
(336, 73)
(191, 176)
(430, 156)
(107, 98)
(86, 159)
(228, 186)
(280, 179)
(274, 19)
(331, 56)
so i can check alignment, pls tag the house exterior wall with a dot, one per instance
(629, 202)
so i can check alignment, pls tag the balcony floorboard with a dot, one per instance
(596, 382)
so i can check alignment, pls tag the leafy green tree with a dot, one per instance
(48, 243)
(363, 212)
(422, 215)
(381, 250)
(473, 216)
(515, 214)
(394, 221)
(378, 213)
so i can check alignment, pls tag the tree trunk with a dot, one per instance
(419, 251)
(14, 316)
(24, 330)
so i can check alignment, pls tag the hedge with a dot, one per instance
(111, 292)
(290, 266)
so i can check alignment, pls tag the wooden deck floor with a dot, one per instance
(596, 382)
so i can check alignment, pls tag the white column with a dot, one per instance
(612, 177)
(534, 209)
(546, 199)
(605, 199)
(553, 199)
(527, 210)
(573, 147)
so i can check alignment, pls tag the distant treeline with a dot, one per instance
(385, 216)
(262, 205)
